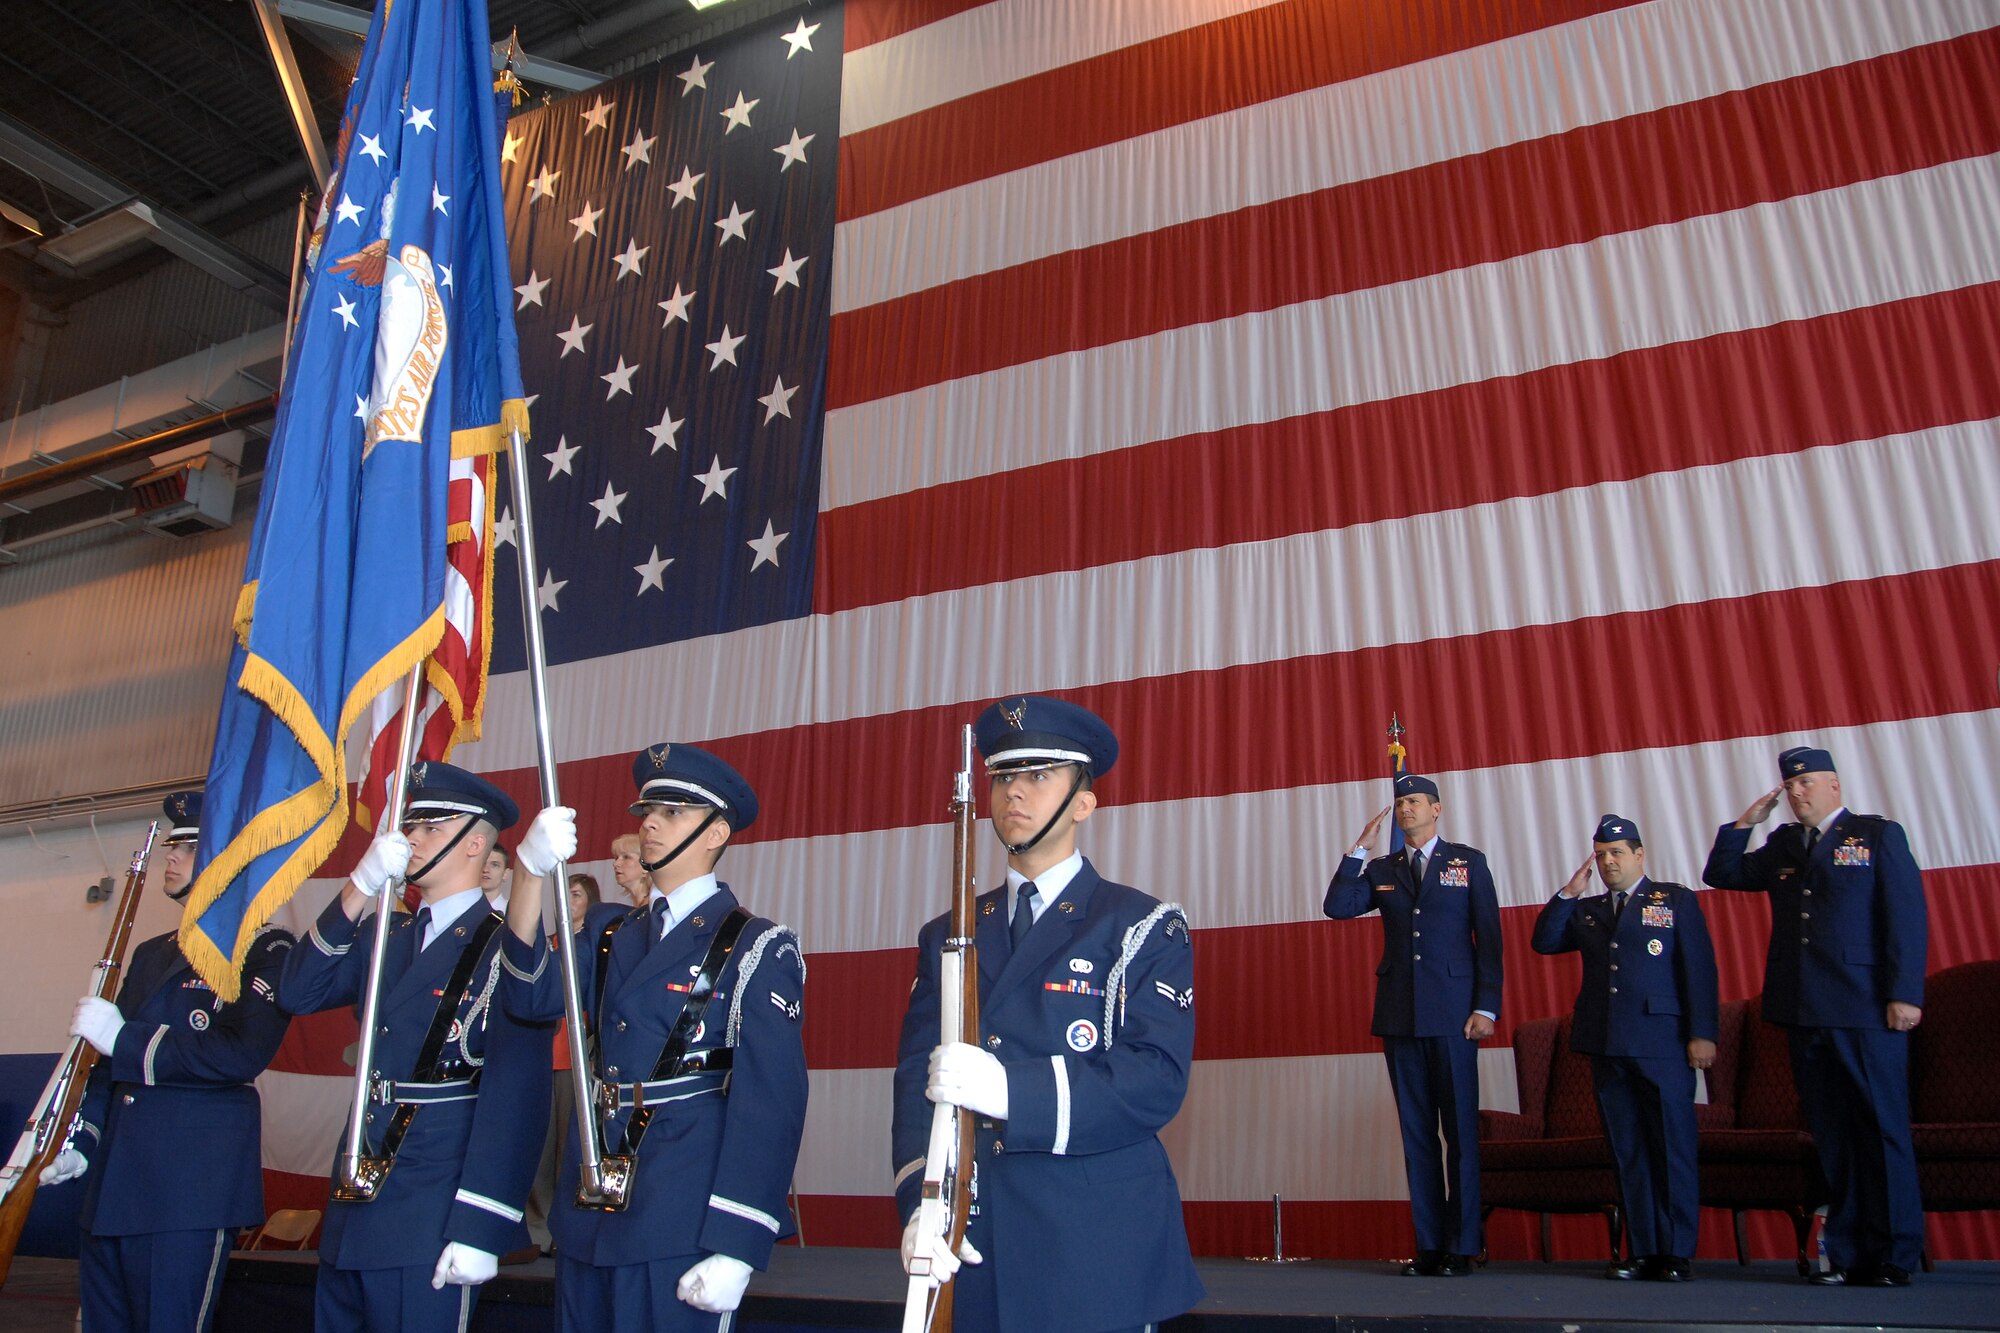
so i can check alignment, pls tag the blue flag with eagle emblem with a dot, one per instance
(403, 366)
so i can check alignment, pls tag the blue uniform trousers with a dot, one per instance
(1648, 1106)
(163, 1281)
(1436, 1082)
(1854, 1091)
(389, 1300)
(591, 1299)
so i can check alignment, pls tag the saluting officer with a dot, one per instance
(1437, 996)
(696, 1005)
(1845, 973)
(170, 1129)
(459, 1089)
(1086, 1010)
(1646, 1017)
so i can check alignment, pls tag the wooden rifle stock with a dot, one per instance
(947, 1196)
(48, 1128)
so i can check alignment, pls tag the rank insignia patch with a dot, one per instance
(1661, 917)
(1853, 852)
(1183, 998)
(791, 1011)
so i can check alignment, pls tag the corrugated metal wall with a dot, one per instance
(112, 653)
(162, 314)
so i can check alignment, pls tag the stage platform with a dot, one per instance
(860, 1289)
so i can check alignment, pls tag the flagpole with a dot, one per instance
(359, 1181)
(590, 1174)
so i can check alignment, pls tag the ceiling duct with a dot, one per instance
(186, 498)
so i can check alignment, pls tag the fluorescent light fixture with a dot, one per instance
(25, 221)
(106, 234)
(706, 4)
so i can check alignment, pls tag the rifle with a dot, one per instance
(947, 1196)
(52, 1123)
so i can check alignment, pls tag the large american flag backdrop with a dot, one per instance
(1607, 388)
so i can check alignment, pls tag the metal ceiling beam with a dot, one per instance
(49, 161)
(337, 17)
(294, 84)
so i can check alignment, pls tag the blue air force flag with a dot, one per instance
(403, 366)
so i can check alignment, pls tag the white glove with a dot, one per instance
(463, 1266)
(943, 1262)
(386, 858)
(97, 1022)
(69, 1164)
(966, 1076)
(550, 839)
(715, 1284)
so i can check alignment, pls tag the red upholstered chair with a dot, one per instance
(1763, 1157)
(1955, 1090)
(1552, 1157)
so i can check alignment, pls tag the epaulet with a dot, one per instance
(772, 938)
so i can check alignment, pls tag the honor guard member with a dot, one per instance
(1845, 973)
(1646, 1017)
(1437, 996)
(696, 1005)
(1086, 1015)
(168, 1138)
(458, 1090)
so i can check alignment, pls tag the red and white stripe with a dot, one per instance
(1606, 387)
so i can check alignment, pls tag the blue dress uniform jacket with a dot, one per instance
(1849, 929)
(465, 1166)
(1849, 934)
(1649, 988)
(1078, 1213)
(1649, 981)
(715, 1166)
(171, 1124)
(1441, 957)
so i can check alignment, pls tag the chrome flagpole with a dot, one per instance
(590, 1175)
(361, 1176)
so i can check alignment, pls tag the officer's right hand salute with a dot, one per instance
(1579, 881)
(1370, 839)
(1760, 809)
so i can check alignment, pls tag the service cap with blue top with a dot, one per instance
(183, 812)
(1030, 732)
(685, 775)
(1804, 759)
(438, 791)
(1616, 828)
(1410, 784)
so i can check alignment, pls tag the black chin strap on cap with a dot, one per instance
(417, 875)
(684, 844)
(1075, 785)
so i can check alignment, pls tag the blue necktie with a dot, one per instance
(1024, 914)
(417, 933)
(1417, 868)
(1618, 905)
(659, 914)
(1812, 840)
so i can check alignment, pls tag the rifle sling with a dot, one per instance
(692, 1009)
(426, 1068)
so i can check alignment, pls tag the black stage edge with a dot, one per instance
(838, 1288)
